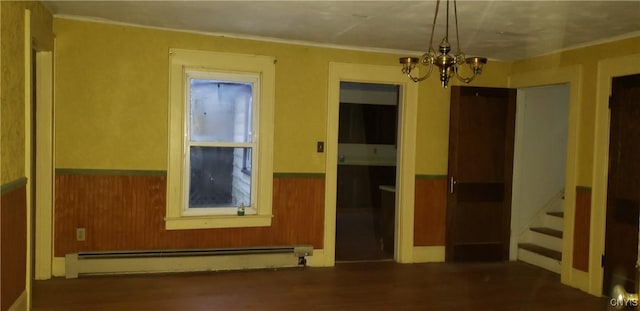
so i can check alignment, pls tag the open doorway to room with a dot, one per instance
(366, 173)
(540, 156)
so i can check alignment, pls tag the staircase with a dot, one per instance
(541, 244)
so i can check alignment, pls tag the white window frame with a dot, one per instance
(252, 79)
(189, 63)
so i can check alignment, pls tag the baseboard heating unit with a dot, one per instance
(157, 261)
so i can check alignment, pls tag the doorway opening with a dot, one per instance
(540, 157)
(366, 173)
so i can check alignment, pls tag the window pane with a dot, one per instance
(217, 177)
(220, 111)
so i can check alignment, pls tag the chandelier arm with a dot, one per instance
(433, 27)
(426, 75)
(447, 64)
(463, 79)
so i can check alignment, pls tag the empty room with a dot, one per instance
(329, 155)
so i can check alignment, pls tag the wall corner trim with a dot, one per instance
(298, 175)
(583, 189)
(422, 254)
(20, 304)
(109, 172)
(13, 185)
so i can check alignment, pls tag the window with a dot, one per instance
(220, 140)
(246, 153)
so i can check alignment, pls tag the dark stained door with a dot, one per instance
(623, 191)
(481, 138)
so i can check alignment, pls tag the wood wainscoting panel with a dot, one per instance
(126, 212)
(13, 216)
(582, 229)
(430, 211)
(298, 205)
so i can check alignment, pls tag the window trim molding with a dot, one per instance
(180, 61)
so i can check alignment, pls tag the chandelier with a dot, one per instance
(447, 64)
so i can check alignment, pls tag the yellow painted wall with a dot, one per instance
(588, 57)
(12, 82)
(111, 94)
(111, 97)
(432, 150)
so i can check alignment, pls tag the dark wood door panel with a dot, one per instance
(476, 223)
(623, 192)
(480, 172)
(626, 212)
(479, 192)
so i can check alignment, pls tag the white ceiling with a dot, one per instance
(503, 30)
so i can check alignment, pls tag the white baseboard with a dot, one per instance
(317, 260)
(186, 264)
(57, 267)
(421, 254)
(167, 264)
(20, 304)
(579, 280)
(428, 254)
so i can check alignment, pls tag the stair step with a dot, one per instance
(548, 231)
(556, 214)
(541, 250)
(539, 260)
(553, 222)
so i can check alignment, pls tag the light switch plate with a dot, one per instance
(320, 146)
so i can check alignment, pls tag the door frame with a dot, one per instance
(44, 166)
(405, 176)
(607, 70)
(43, 136)
(571, 75)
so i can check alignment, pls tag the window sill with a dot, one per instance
(209, 222)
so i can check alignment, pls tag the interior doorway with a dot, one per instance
(406, 156)
(540, 157)
(366, 173)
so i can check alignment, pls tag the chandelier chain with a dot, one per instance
(455, 13)
(446, 34)
(433, 27)
(446, 64)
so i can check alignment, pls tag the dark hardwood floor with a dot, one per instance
(358, 237)
(348, 286)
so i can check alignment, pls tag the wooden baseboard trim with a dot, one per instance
(58, 267)
(20, 304)
(428, 254)
(580, 280)
(317, 260)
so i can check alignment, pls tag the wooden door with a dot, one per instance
(623, 192)
(481, 134)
